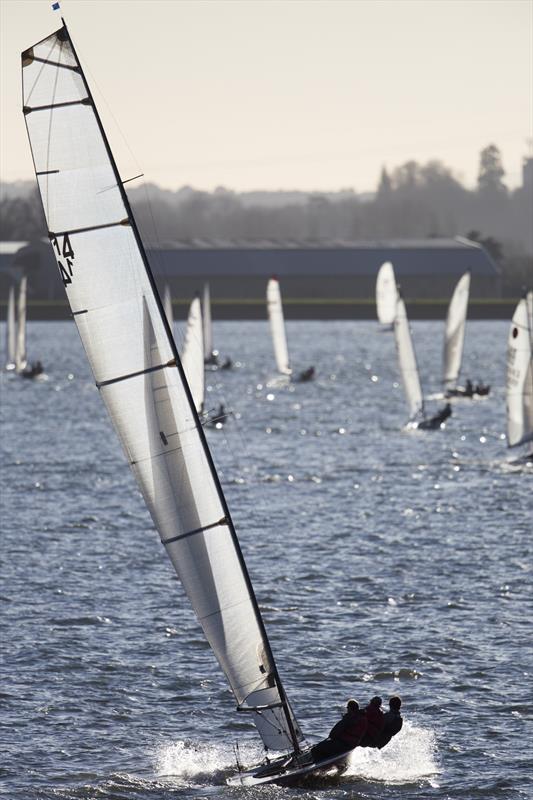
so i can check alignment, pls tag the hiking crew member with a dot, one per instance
(345, 735)
(376, 720)
(392, 721)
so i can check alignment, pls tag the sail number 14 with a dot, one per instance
(65, 258)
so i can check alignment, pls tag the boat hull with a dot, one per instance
(286, 772)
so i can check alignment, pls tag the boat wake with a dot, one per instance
(410, 757)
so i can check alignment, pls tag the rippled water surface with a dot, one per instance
(384, 562)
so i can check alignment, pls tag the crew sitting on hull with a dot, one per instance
(36, 368)
(344, 736)
(382, 727)
(306, 375)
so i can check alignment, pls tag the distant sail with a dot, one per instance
(131, 350)
(167, 305)
(277, 326)
(11, 330)
(455, 332)
(519, 384)
(386, 294)
(20, 347)
(192, 356)
(208, 325)
(407, 361)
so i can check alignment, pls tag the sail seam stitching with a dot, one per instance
(170, 363)
(222, 521)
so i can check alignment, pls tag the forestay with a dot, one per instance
(208, 326)
(455, 331)
(11, 330)
(519, 382)
(20, 346)
(407, 361)
(277, 326)
(386, 294)
(192, 356)
(133, 357)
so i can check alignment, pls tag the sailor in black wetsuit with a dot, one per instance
(306, 375)
(344, 736)
(436, 421)
(393, 722)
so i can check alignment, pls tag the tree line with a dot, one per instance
(412, 201)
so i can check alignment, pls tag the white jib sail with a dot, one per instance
(277, 326)
(167, 305)
(386, 294)
(407, 361)
(11, 330)
(208, 325)
(192, 357)
(519, 384)
(455, 331)
(132, 355)
(20, 346)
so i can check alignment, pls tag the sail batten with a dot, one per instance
(128, 342)
(455, 332)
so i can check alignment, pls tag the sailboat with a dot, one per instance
(130, 348)
(192, 356)
(167, 305)
(210, 355)
(386, 295)
(454, 341)
(277, 329)
(519, 382)
(21, 359)
(410, 375)
(11, 330)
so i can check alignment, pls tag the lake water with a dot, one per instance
(384, 562)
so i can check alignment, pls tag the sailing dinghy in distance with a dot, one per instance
(11, 331)
(279, 337)
(133, 356)
(519, 382)
(410, 375)
(454, 342)
(192, 356)
(386, 295)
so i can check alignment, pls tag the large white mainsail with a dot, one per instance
(386, 294)
(207, 323)
(455, 332)
(20, 346)
(132, 354)
(277, 326)
(167, 305)
(11, 330)
(192, 356)
(519, 384)
(407, 361)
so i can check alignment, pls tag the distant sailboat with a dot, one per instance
(192, 356)
(11, 330)
(410, 375)
(519, 383)
(386, 295)
(210, 355)
(277, 329)
(454, 343)
(167, 305)
(21, 359)
(131, 350)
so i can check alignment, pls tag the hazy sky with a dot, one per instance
(287, 94)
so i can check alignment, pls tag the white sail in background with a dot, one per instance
(519, 384)
(192, 356)
(407, 361)
(386, 294)
(11, 330)
(277, 326)
(132, 354)
(208, 325)
(167, 305)
(20, 345)
(455, 332)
